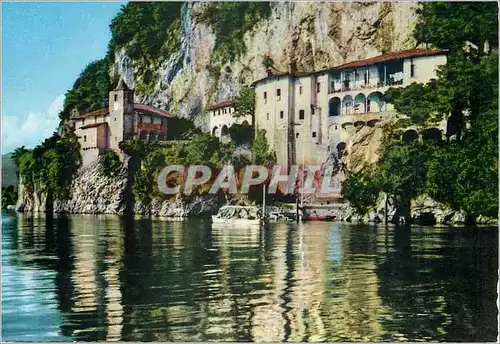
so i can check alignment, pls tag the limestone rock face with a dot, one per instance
(95, 193)
(197, 206)
(362, 148)
(302, 36)
(31, 201)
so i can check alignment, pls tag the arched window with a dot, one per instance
(347, 105)
(375, 102)
(224, 134)
(359, 103)
(334, 106)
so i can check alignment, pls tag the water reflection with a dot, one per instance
(108, 278)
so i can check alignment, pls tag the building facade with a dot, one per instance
(122, 120)
(221, 118)
(311, 115)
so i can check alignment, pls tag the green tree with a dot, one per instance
(242, 133)
(244, 103)
(18, 154)
(50, 165)
(449, 25)
(111, 163)
(464, 174)
(401, 172)
(360, 190)
(461, 173)
(90, 90)
(180, 128)
(261, 153)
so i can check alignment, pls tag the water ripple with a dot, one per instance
(101, 278)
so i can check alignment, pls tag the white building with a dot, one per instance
(308, 115)
(221, 117)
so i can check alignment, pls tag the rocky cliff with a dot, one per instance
(363, 147)
(95, 192)
(304, 36)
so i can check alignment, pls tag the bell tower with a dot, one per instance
(121, 112)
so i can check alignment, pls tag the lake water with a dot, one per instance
(107, 278)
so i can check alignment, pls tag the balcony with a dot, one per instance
(362, 80)
(150, 127)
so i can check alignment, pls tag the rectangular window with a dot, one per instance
(301, 114)
(282, 114)
(297, 135)
(412, 69)
(116, 97)
(318, 87)
(268, 116)
(300, 90)
(84, 138)
(367, 76)
(313, 134)
(265, 97)
(312, 109)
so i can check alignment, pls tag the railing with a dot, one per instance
(360, 85)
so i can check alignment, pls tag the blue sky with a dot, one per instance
(45, 46)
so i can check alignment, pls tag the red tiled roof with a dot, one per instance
(151, 109)
(396, 55)
(94, 125)
(220, 104)
(277, 75)
(100, 112)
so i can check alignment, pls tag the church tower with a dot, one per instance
(121, 112)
